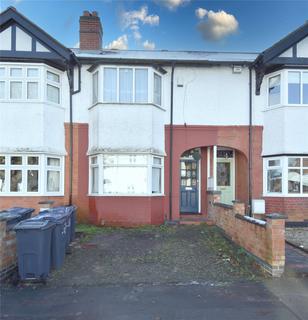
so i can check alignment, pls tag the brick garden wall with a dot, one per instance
(296, 209)
(8, 256)
(263, 240)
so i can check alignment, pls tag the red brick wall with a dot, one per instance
(296, 209)
(266, 242)
(236, 137)
(126, 211)
(8, 254)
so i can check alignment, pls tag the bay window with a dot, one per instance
(287, 176)
(30, 175)
(131, 85)
(126, 174)
(289, 87)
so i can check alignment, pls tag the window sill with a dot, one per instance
(125, 195)
(17, 194)
(281, 195)
(280, 106)
(128, 104)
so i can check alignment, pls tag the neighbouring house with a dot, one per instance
(140, 137)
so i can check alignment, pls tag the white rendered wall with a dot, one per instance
(34, 126)
(211, 96)
(302, 48)
(126, 128)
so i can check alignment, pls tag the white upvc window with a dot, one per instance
(95, 87)
(19, 83)
(126, 174)
(274, 90)
(53, 87)
(131, 85)
(31, 174)
(286, 176)
(297, 87)
(94, 175)
(274, 175)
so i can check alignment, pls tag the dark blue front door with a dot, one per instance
(189, 186)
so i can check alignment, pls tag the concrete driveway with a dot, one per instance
(183, 272)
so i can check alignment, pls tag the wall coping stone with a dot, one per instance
(244, 218)
(223, 205)
(275, 216)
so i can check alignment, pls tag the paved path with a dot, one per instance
(249, 300)
(296, 261)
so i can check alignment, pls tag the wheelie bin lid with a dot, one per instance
(50, 216)
(8, 216)
(32, 224)
(20, 210)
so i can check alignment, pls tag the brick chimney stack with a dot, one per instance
(90, 31)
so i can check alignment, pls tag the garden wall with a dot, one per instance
(264, 240)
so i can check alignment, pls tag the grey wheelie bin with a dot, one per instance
(58, 238)
(34, 248)
(15, 215)
(71, 211)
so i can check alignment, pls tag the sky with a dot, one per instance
(242, 25)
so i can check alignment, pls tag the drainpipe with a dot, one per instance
(171, 143)
(250, 145)
(70, 75)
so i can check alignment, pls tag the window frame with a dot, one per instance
(42, 169)
(285, 177)
(149, 164)
(300, 71)
(40, 78)
(150, 85)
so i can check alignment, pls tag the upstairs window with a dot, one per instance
(19, 83)
(157, 89)
(274, 90)
(53, 87)
(297, 87)
(298, 175)
(95, 87)
(110, 85)
(130, 85)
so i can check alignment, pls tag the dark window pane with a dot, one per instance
(294, 162)
(223, 174)
(2, 160)
(16, 160)
(305, 87)
(2, 180)
(16, 181)
(305, 181)
(32, 184)
(33, 160)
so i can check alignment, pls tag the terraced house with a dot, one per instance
(141, 137)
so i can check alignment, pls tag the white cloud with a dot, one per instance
(148, 45)
(120, 43)
(217, 25)
(172, 4)
(201, 13)
(134, 17)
